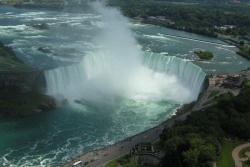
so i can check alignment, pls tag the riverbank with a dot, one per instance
(13, 104)
(241, 50)
(102, 156)
(21, 87)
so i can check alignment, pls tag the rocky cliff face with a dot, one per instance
(21, 87)
(21, 82)
(15, 75)
(22, 93)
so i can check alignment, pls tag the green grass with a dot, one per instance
(245, 51)
(9, 61)
(112, 164)
(226, 159)
(247, 83)
(124, 161)
(242, 152)
(204, 55)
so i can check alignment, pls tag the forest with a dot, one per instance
(203, 18)
(195, 142)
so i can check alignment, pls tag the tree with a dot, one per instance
(191, 157)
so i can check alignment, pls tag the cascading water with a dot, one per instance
(143, 91)
(188, 73)
(93, 75)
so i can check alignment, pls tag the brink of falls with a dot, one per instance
(94, 77)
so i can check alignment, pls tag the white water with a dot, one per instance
(189, 74)
(197, 40)
(145, 97)
(161, 78)
(115, 70)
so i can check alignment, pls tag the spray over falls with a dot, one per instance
(120, 69)
(158, 78)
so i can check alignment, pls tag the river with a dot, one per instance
(52, 138)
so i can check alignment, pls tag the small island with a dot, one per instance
(204, 55)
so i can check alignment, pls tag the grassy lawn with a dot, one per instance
(226, 159)
(242, 152)
(242, 155)
(125, 161)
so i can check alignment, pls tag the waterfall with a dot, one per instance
(94, 71)
(188, 73)
(60, 79)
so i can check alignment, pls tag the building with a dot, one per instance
(147, 157)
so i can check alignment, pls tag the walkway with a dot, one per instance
(235, 154)
(98, 158)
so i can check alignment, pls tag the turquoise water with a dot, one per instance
(52, 138)
(159, 40)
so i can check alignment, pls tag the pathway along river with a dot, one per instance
(52, 138)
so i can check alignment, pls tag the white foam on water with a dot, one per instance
(160, 37)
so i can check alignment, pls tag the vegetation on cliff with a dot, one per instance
(204, 55)
(195, 142)
(210, 18)
(9, 61)
(16, 104)
(20, 86)
(204, 17)
(245, 51)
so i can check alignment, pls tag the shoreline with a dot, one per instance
(124, 146)
(176, 36)
(140, 136)
(101, 156)
(224, 40)
(132, 20)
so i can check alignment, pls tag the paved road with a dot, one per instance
(235, 154)
(102, 156)
(98, 158)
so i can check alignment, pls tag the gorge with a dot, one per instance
(123, 86)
